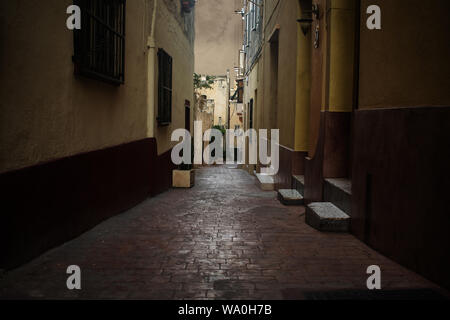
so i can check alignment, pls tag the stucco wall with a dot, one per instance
(235, 119)
(340, 80)
(203, 113)
(219, 93)
(318, 76)
(280, 114)
(170, 36)
(406, 63)
(251, 87)
(287, 72)
(45, 111)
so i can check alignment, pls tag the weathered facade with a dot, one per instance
(76, 149)
(204, 112)
(365, 109)
(219, 95)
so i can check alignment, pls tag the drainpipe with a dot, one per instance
(228, 99)
(357, 55)
(151, 75)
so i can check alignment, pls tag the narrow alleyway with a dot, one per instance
(224, 238)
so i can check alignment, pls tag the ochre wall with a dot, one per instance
(318, 62)
(407, 62)
(269, 88)
(251, 87)
(203, 113)
(287, 72)
(219, 93)
(303, 86)
(171, 37)
(280, 114)
(235, 120)
(46, 112)
(341, 55)
(251, 92)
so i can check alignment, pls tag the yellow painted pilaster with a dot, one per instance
(303, 90)
(341, 55)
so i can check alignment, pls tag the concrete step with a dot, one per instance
(268, 170)
(290, 197)
(339, 192)
(325, 216)
(298, 183)
(266, 182)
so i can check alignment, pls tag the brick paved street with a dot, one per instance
(224, 238)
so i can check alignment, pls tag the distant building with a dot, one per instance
(204, 112)
(218, 95)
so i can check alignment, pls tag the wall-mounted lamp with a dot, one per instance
(305, 24)
(241, 12)
(307, 18)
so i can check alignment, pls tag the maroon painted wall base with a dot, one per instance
(46, 205)
(291, 163)
(332, 155)
(400, 183)
(314, 168)
(337, 144)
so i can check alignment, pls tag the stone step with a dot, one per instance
(298, 183)
(266, 182)
(325, 216)
(290, 197)
(268, 170)
(339, 192)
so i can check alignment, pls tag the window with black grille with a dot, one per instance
(164, 88)
(100, 43)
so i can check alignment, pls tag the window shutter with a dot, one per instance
(165, 69)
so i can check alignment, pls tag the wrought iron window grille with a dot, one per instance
(99, 46)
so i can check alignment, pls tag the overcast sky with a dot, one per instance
(218, 36)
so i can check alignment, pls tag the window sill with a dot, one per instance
(163, 124)
(88, 73)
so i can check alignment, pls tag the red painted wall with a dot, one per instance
(46, 205)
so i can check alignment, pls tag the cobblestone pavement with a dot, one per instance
(222, 239)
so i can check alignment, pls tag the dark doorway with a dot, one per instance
(274, 54)
(250, 124)
(187, 115)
